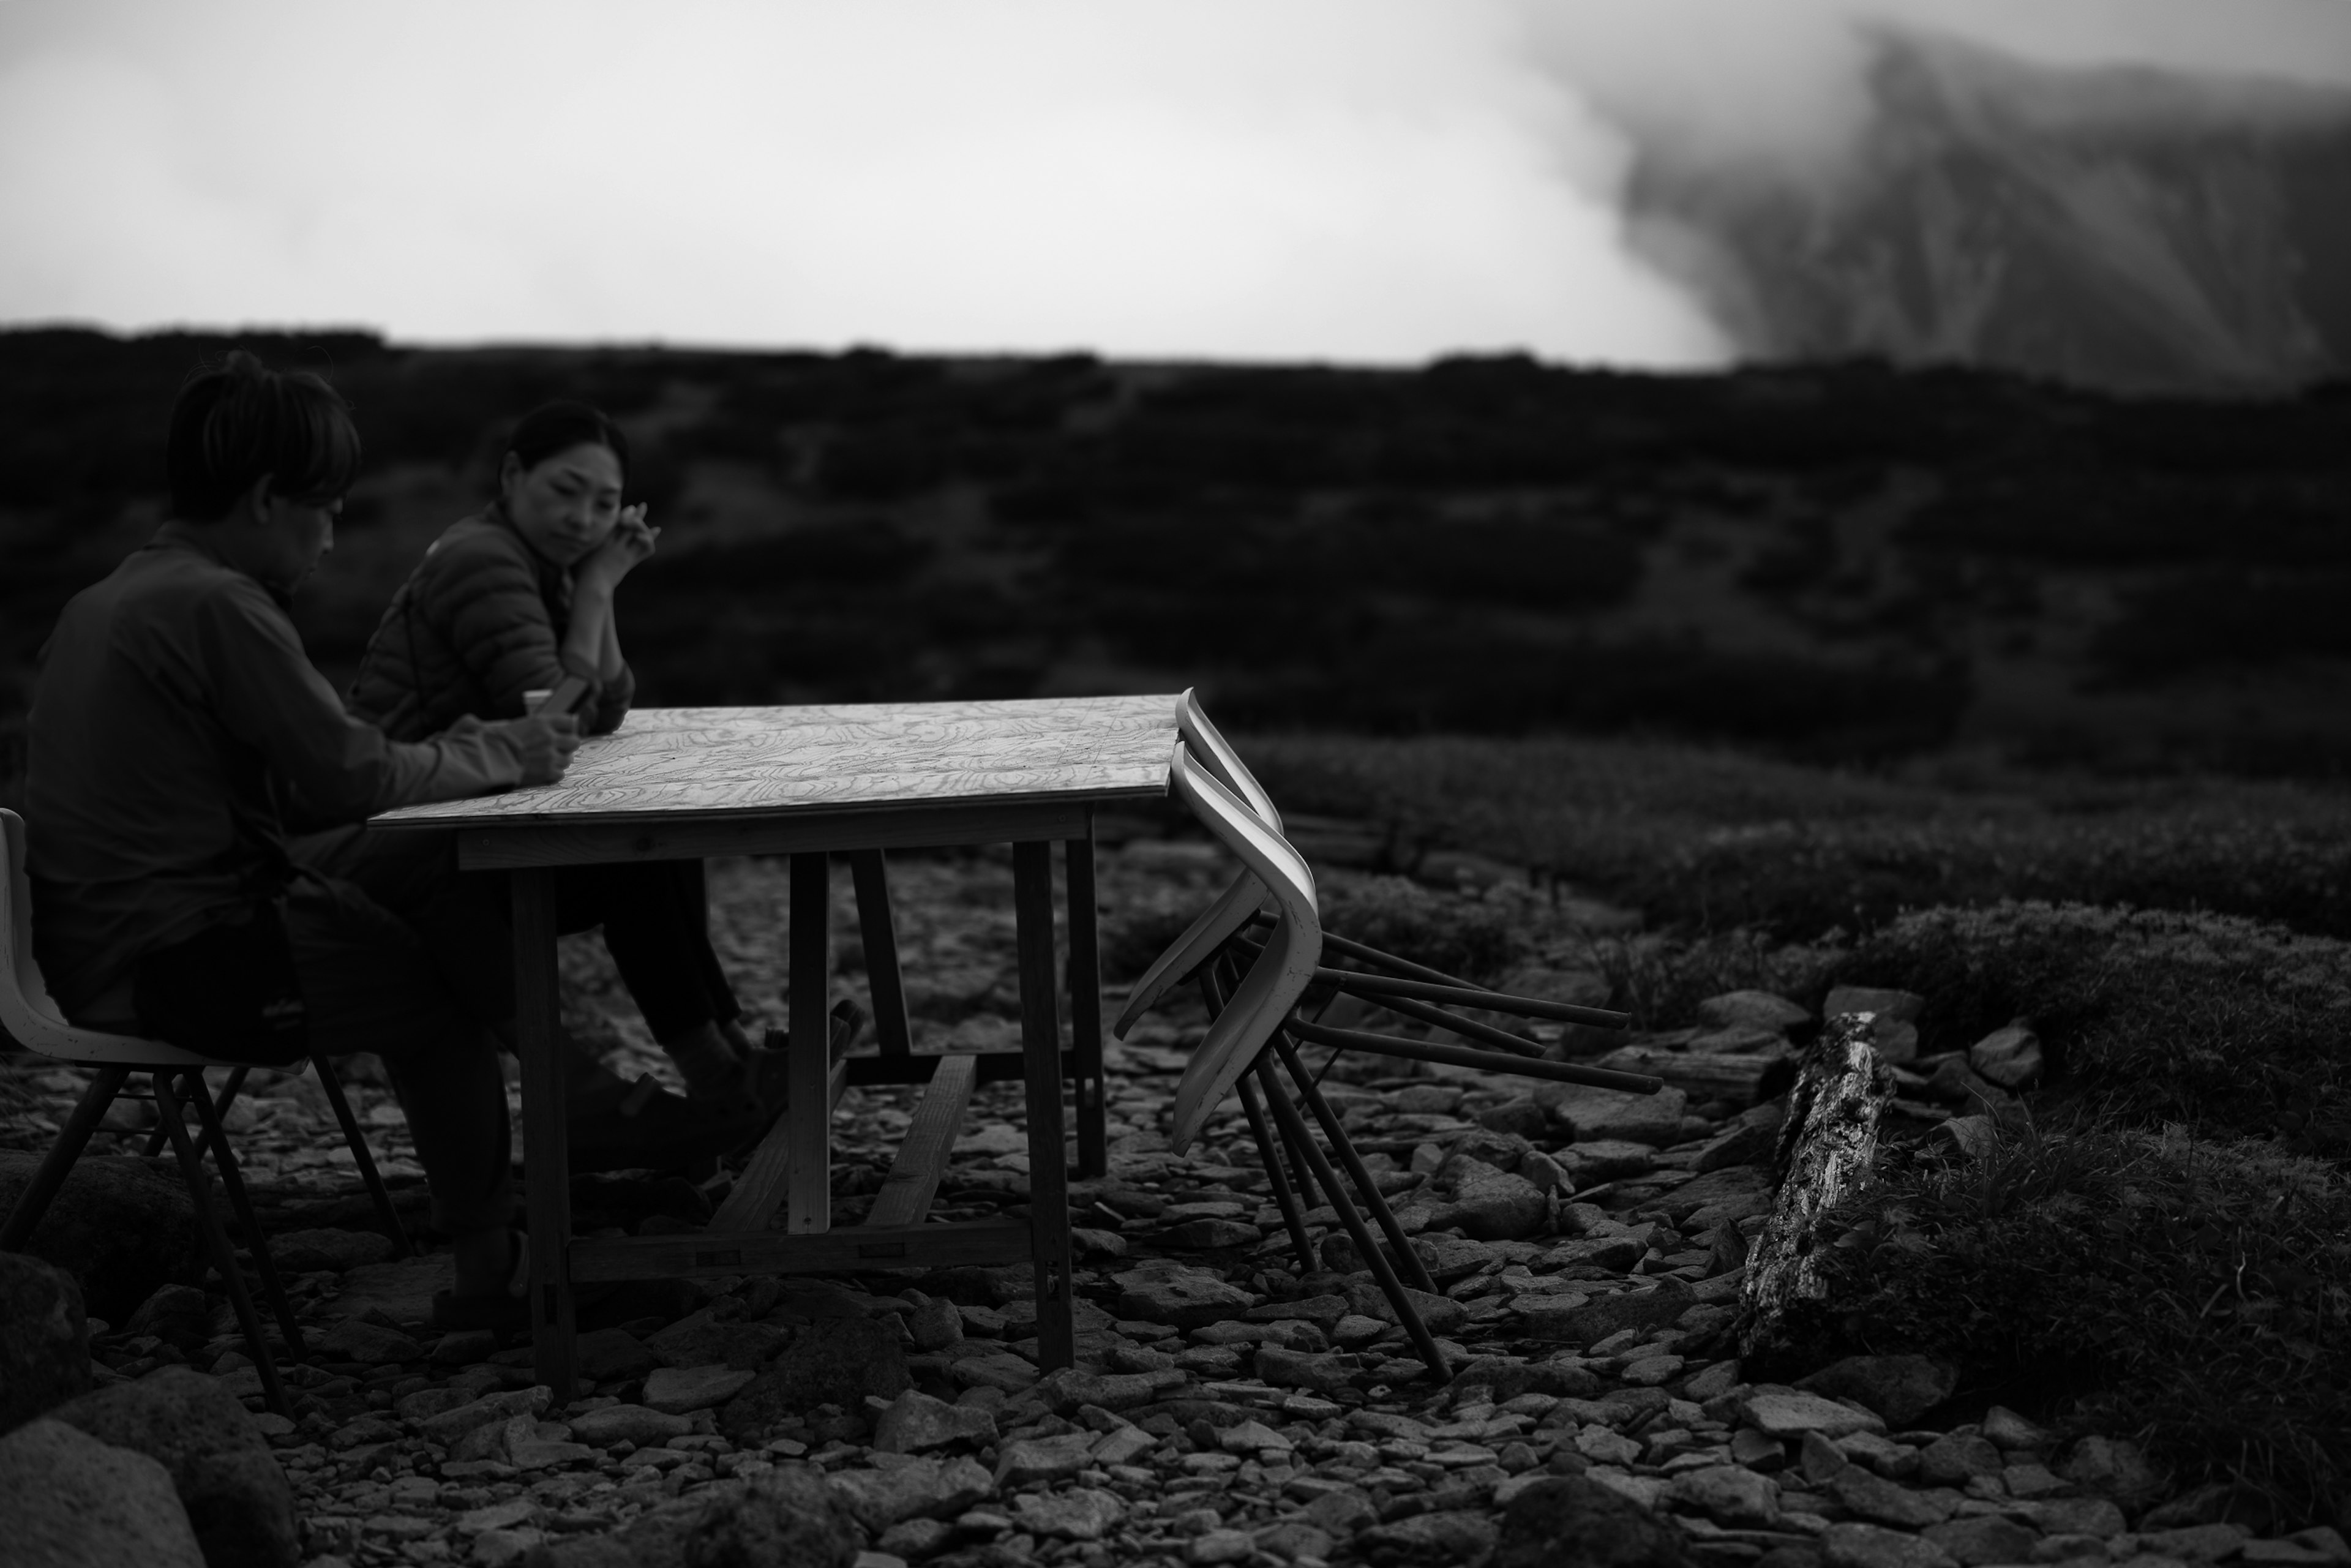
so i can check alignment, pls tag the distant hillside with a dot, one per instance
(1844, 562)
(2130, 229)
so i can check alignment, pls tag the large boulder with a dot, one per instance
(180, 1316)
(120, 1224)
(67, 1501)
(1902, 1388)
(237, 1497)
(833, 1361)
(1573, 1522)
(44, 1339)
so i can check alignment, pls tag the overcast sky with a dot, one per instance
(1356, 179)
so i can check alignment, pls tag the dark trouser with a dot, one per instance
(654, 914)
(656, 921)
(370, 981)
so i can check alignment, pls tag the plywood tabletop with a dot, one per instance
(668, 763)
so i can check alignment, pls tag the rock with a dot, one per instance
(1324, 1374)
(1072, 1389)
(1753, 1009)
(834, 1361)
(628, 1424)
(2009, 1056)
(120, 1225)
(1953, 1461)
(1746, 1143)
(467, 1347)
(679, 1391)
(1451, 1535)
(1727, 1494)
(1208, 1233)
(1082, 1514)
(1325, 1310)
(1508, 1378)
(1983, 1538)
(1524, 1116)
(1220, 1546)
(355, 1339)
(916, 1423)
(1598, 1317)
(1342, 1511)
(68, 1500)
(449, 1425)
(2113, 1469)
(1029, 1459)
(1874, 1498)
(934, 1324)
(1252, 1438)
(1187, 1298)
(912, 1487)
(1570, 1521)
(180, 1316)
(1490, 1204)
(310, 1252)
(1786, 1412)
(786, 1516)
(236, 1499)
(44, 1338)
(614, 1356)
(1590, 1161)
(1706, 1076)
(699, 1340)
(1957, 1084)
(1902, 1388)
(2318, 1547)
(1002, 1370)
(2074, 1516)
(1851, 1545)
(1592, 1113)
(1290, 1539)
(2011, 1431)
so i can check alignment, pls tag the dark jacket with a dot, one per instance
(479, 622)
(176, 714)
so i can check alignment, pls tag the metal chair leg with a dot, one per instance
(233, 1184)
(1293, 1129)
(363, 1157)
(227, 1098)
(24, 1217)
(167, 1107)
(1292, 1216)
(1373, 1199)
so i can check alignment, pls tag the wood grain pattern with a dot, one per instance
(668, 761)
(914, 1179)
(587, 841)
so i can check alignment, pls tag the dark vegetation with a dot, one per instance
(1949, 681)
(1841, 562)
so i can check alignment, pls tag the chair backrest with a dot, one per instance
(26, 1012)
(1281, 972)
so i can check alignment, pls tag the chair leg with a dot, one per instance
(1292, 1216)
(233, 1184)
(363, 1157)
(1293, 1130)
(1416, 1273)
(58, 1162)
(167, 1107)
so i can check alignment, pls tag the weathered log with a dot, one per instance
(1827, 1144)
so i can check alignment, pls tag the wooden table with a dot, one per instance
(812, 782)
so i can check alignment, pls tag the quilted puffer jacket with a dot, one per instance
(479, 622)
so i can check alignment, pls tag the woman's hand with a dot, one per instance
(630, 541)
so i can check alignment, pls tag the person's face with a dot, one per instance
(292, 535)
(566, 506)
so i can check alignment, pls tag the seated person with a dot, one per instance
(175, 718)
(518, 599)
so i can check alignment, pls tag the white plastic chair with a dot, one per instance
(33, 1021)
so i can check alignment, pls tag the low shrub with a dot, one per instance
(2226, 1026)
(2194, 1297)
(1470, 938)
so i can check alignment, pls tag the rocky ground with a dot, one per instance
(1232, 1402)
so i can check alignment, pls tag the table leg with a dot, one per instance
(547, 1154)
(1041, 1044)
(809, 1192)
(880, 934)
(1085, 1007)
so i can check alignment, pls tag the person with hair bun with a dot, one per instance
(179, 732)
(518, 599)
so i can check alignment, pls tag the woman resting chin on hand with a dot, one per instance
(513, 600)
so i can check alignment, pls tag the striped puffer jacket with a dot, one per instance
(479, 622)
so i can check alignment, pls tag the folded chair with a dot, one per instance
(28, 1017)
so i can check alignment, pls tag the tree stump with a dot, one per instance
(1827, 1143)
